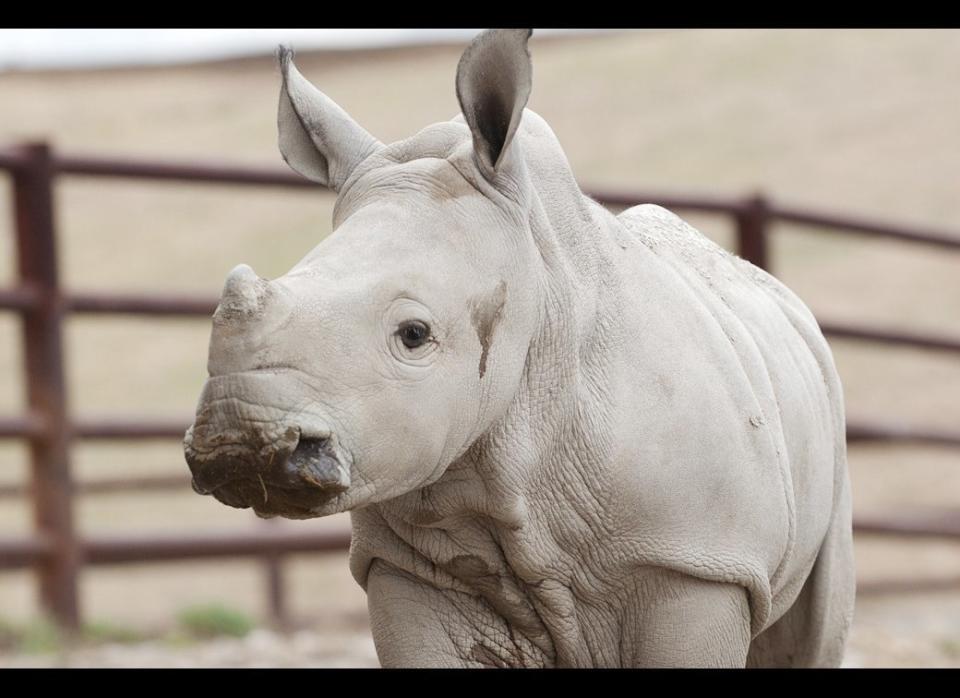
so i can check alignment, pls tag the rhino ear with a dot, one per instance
(317, 138)
(493, 85)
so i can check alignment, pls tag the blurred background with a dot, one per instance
(862, 123)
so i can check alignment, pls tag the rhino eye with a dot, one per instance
(413, 334)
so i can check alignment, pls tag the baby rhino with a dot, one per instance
(566, 438)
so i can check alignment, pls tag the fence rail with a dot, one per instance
(58, 554)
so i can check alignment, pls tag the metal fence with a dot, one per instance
(58, 553)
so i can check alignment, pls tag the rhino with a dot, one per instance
(566, 438)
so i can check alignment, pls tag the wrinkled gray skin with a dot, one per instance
(619, 446)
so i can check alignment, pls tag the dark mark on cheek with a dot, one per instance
(485, 316)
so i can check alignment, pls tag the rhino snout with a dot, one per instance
(289, 477)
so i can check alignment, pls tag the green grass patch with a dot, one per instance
(214, 620)
(951, 647)
(40, 636)
(43, 636)
(101, 632)
(9, 636)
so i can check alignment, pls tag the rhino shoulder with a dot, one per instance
(661, 229)
(669, 236)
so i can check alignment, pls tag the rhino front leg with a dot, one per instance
(417, 625)
(683, 621)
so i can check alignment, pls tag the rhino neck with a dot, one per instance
(515, 518)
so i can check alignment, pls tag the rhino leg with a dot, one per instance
(684, 621)
(813, 632)
(417, 625)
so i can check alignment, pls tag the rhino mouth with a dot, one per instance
(291, 483)
(272, 501)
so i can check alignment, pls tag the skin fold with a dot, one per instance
(617, 444)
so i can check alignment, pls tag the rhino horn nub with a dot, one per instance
(243, 295)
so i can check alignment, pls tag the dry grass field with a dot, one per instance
(858, 121)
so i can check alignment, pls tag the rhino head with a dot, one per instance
(377, 361)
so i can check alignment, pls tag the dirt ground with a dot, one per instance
(855, 121)
(885, 635)
(918, 630)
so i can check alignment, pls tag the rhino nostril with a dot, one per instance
(308, 449)
(314, 460)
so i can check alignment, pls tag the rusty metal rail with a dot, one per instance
(113, 485)
(132, 304)
(114, 549)
(858, 432)
(57, 553)
(938, 524)
(862, 226)
(29, 552)
(208, 173)
(165, 547)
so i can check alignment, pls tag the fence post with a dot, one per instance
(752, 223)
(274, 577)
(276, 590)
(51, 484)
